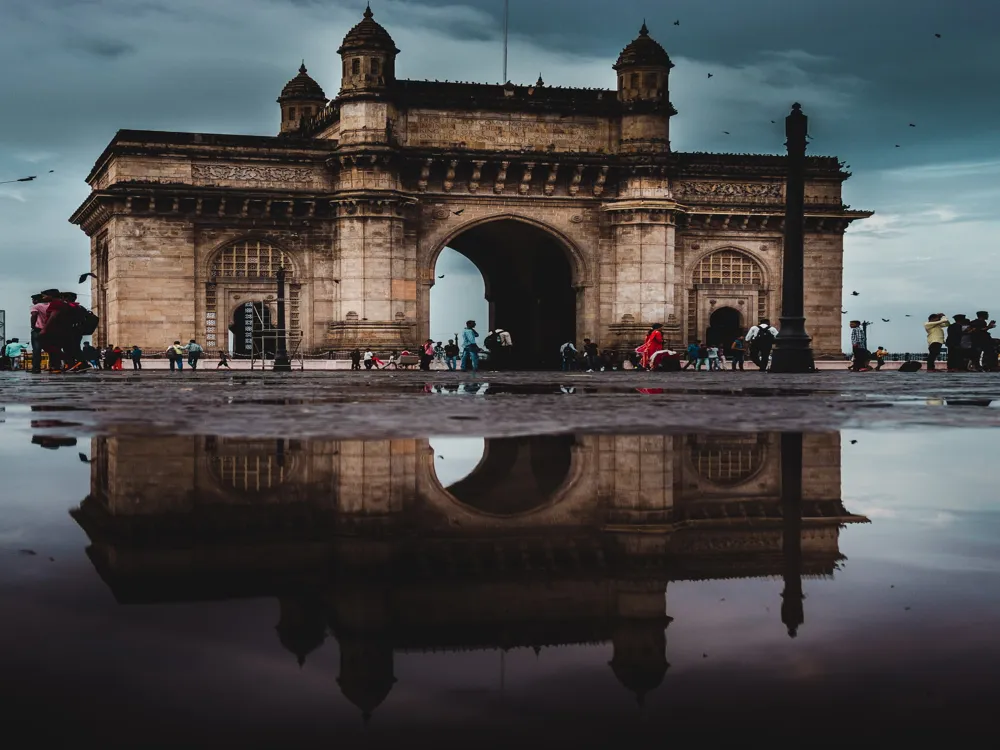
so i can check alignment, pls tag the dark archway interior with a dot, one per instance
(723, 328)
(251, 321)
(516, 474)
(529, 286)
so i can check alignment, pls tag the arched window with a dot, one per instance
(291, 113)
(728, 461)
(634, 81)
(251, 259)
(728, 267)
(375, 66)
(356, 66)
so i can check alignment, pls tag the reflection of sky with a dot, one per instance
(905, 634)
(455, 458)
(458, 297)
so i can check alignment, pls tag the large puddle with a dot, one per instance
(191, 590)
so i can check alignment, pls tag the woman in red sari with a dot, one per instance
(653, 344)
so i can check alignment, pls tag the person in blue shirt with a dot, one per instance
(470, 347)
(13, 352)
(692, 354)
(136, 356)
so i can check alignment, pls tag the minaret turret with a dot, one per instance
(643, 89)
(369, 59)
(301, 97)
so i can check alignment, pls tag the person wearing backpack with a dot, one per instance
(194, 352)
(760, 339)
(175, 353)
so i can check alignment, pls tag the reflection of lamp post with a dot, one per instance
(792, 611)
(281, 361)
(792, 352)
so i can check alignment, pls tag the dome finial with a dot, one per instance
(644, 31)
(302, 67)
(368, 11)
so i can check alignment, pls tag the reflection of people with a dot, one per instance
(53, 442)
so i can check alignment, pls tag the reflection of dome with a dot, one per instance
(367, 35)
(366, 673)
(302, 87)
(639, 660)
(644, 51)
(301, 627)
(728, 460)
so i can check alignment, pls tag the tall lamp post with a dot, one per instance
(281, 361)
(792, 352)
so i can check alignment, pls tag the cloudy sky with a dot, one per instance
(72, 72)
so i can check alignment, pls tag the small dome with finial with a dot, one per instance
(368, 35)
(302, 87)
(644, 50)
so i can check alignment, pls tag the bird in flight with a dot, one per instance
(907, 316)
(773, 122)
(937, 36)
(441, 276)
(677, 23)
(843, 312)
(897, 145)
(83, 457)
(855, 294)
(459, 212)
(885, 320)
(913, 125)
(727, 132)
(83, 277)
(711, 74)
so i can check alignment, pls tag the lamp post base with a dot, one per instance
(282, 363)
(792, 353)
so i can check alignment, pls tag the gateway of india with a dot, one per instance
(570, 201)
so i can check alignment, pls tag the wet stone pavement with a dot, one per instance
(256, 560)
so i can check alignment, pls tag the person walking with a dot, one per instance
(13, 352)
(194, 352)
(591, 358)
(91, 355)
(713, 358)
(739, 349)
(859, 348)
(470, 347)
(52, 335)
(175, 353)
(451, 355)
(37, 312)
(760, 339)
(224, 360)
(118, 355)
(369, 359)
(702, 357)
(692, 354)
(73, 336)
(935, 328)
(356, 359)
(136, 356)
(881, 354)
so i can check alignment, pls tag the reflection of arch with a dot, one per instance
(728, 460)
(516, 475)
(250, 259)
(728, 266)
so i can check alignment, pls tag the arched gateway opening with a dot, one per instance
(528, 278)
(724, 326)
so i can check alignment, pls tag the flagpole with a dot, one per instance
(506, 27)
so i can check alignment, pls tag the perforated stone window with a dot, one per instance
(728, 267)
(728, 461)
(251, 259)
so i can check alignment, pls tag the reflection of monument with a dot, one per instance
(361, 538)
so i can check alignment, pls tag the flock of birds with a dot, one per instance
(884, 320)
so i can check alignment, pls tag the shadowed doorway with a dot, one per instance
(529, 288)
(724, 327)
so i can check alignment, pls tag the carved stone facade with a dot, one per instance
(362, 193)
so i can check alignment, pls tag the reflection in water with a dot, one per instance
(547, 541)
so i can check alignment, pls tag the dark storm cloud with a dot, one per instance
(73, 72)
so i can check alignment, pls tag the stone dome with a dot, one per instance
(643, 51)
(367, 36)
(302, 87)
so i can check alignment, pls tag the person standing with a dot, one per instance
(739, 348)
(175, 353)
(505, 348)
(568, 353)
(38, 312)
(692, 354)
(136, 356)
(859, 347)
(13, 352)
(590, 355)
(760, 339)
(470, 348)
(91, 355)
(702, 357)
(713, 358)
(935, 327)
(979, 337)
(75, 313)
(451, 355)
(356, 359)
(953, 340)
(427, 355)
(194, 352)
(439, 352)
(369, 359)
(53, 331)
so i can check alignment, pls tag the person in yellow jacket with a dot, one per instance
(935, 326)
(880, 355)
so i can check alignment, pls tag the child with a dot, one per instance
(713, 358)
(702, 357)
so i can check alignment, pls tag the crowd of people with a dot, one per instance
(58, 326)
(970, 345)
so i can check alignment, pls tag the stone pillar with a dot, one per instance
(643, 240)
(824, 273)
(376, 478)
(636, 479)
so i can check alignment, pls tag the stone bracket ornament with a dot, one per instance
(574, 184)
(425, 173)
(525, 185)
(602, 177)
(501, 180)
(477, 174)
(550, 181)
(449, 178)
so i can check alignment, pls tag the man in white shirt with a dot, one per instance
(761, 338)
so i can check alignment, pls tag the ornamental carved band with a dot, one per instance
(749, 191)
(250, 174)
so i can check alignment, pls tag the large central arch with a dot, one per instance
(531, 275)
